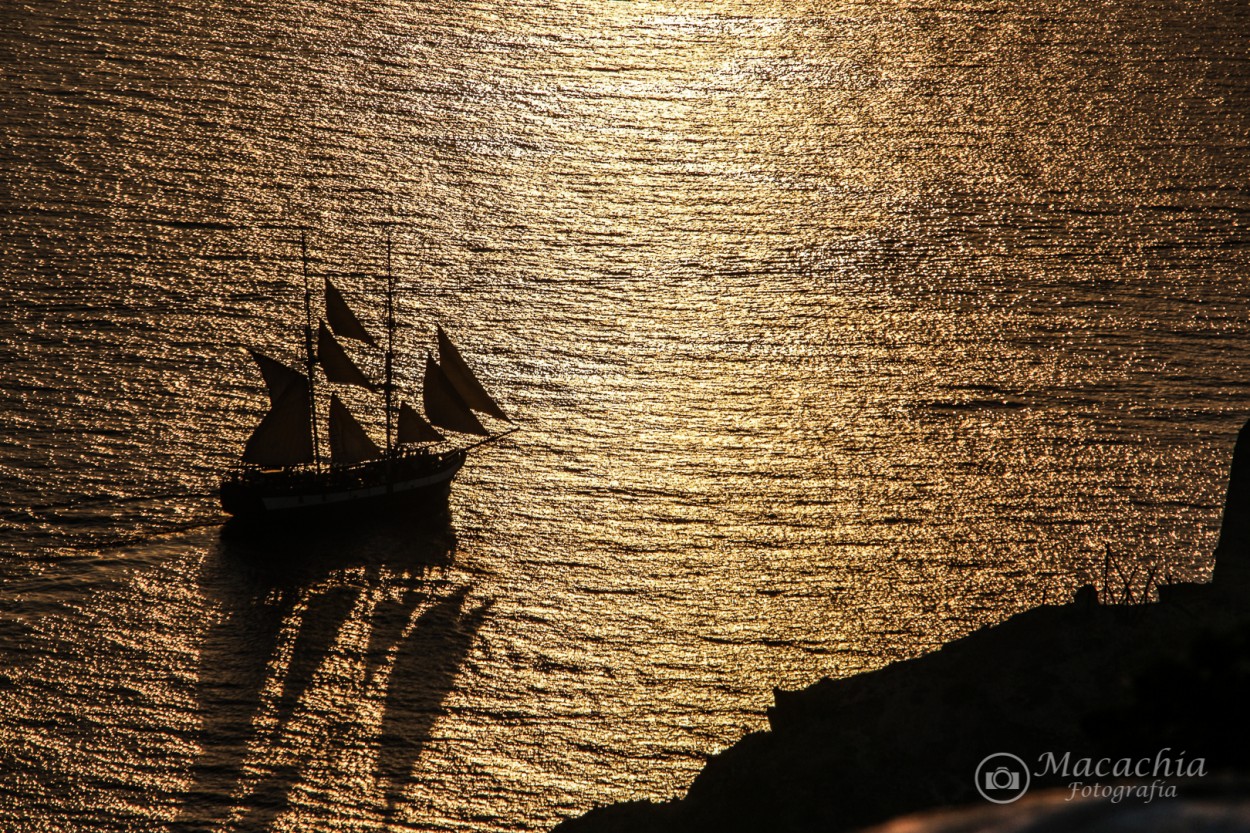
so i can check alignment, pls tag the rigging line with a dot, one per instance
(491, 439)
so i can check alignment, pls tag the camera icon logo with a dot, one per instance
(1002, 778)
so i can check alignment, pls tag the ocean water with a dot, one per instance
(834, 331)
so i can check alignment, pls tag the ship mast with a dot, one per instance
(308, 347)
(390, 342)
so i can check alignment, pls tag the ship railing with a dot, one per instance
(294, 478)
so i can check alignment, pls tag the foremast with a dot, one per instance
(389, 385)
(309, 354)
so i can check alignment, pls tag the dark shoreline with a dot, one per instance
(1093, 680)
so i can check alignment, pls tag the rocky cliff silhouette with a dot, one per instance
(1094, 680)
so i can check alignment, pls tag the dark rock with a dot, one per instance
(1088, 679)
(1086, 597)
(1225, 810)
(1232, 554)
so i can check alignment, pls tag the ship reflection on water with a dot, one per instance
(325, 673)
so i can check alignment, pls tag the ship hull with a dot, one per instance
(404, 486)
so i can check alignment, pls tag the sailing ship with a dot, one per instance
(283, 473)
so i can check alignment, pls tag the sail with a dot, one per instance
(336, 363)
(342, 320)
(443, 404)
(413, 428)
(278, 377)
(348, 441)
(284, 437)
(465, 383)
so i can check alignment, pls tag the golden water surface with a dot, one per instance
(834, 331)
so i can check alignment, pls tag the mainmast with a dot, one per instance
(390, 341)
(308, 348)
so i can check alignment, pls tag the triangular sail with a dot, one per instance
(443, 404)
(278, 377)
(465, 383)
(336, 363)
(413, 428)
(348, 441)
(342, 320)
(284, 436)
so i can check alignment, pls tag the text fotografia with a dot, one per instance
(1118, 792)
(1002, 777)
